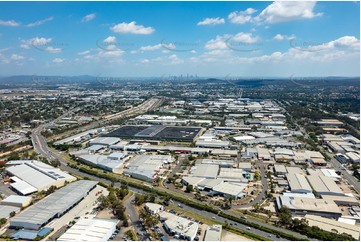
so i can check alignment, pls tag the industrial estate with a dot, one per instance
(187, 156)
(189, 166)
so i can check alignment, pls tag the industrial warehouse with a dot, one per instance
(181, 227)
(157, 132)
(53, 206)
(94, 229)
(29, 176)
(146, 167)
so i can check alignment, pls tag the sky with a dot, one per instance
(144, 39)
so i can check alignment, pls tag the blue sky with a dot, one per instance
(252, 39)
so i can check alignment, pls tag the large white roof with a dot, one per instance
(22, 187)
(324, 184)
(31, 176)
(298, 183)
(90, 230)
(231, 173)
(309, 204)
(17, 199)
(181, 225)
(213, 233)
(205, 170)
(105, 140)
(38, 174)
(230, 188)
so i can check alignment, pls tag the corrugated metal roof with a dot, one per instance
(55, 203)
(6, 210)
(16, 199)
(324, 184)
(90, 230)
(31, 176)
(298, 183)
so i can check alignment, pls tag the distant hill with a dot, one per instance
(23, 79)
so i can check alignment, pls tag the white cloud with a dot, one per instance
(164, 60)
(278, 12)
(84, 52)
(52, 49)
(241, 17)
(110, 39)
(24, 46)
(226, 41)
(342, 43)
(211, 21)
(40, 41)
(245, 38)
(16, 57)
(279, 37)
(131, 28)
(37, 41)
(58, 60)
(110, 51)
(88, 17)
(40, 22)
(218, 43)
(150, 47)
(343, 49)
(10, 23)
(174, 59)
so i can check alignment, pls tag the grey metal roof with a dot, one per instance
(324, 184)
(56, 203)
(205, 170)
(298, 183)
(5, 210)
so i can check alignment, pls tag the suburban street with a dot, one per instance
(134, 217)
(350, 178)
(261, 194)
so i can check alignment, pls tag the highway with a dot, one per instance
(232, 223)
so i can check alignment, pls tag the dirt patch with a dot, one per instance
(228, 236)
(105, 213)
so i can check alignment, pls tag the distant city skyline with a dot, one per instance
(143, 39)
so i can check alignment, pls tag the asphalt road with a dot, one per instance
(134, 218)
(260, 195)
(350, 178)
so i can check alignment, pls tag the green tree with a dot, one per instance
(257, 176)
(3, 221)
(139, 199)
(189, 188)
(285, 216)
